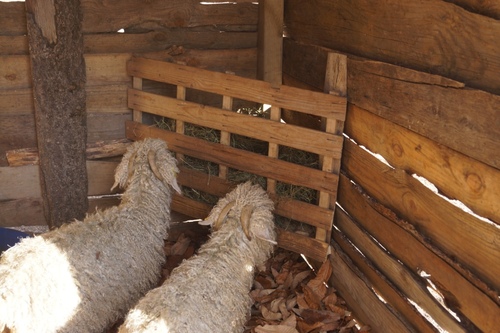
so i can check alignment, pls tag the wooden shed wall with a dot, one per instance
(423, 91)
(424, 94)
(220, 36)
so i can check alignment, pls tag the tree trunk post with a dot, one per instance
(58, 73)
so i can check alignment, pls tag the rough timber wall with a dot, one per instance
(216, 35)
(424, 94)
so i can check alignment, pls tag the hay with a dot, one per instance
(288, 154)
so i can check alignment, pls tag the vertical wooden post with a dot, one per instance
(58, 71)
(336, 84)
(270, 41)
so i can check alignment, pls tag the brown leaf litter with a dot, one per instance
(289, 296)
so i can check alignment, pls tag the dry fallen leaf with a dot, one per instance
(275, 329)
(180, 247)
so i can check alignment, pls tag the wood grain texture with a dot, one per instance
(469, 241)
(433, 36)
(238, 159)
(489, 8)
(289, 208)
(110, 16)
(406, 281)
(457, 176)
(460, 295)
(466, 120)
(382, 285)
(312, 248)
(259, 128)
(234, 86)
(354, 288)
(441, 109)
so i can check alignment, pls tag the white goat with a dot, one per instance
(210, 291)
(85, 276)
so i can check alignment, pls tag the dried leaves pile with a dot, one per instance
(289, 296)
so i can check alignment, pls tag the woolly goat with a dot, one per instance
(87, 274)
(210, 291)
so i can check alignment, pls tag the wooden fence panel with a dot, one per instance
(434, 36)
(411, 248)
(227, 121)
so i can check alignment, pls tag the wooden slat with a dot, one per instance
(190, 207)
(335, 83)
(286, 97)
(382, 287)
(434, 106)
(407, 36)
(289, 208)
(270, 41)
(356, 291)
(255, 127)
(468, 240)
(111, 16)
(461, 295)
(25, 211)
(455, 175)
(95, 150)
(465, 120)
(100, 99)
(238, 159)
(312, 248)
(405, 280)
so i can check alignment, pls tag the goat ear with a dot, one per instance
(262, 233)
(164, 167)
(124, 169)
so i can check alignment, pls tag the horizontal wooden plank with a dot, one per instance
(321, 143)
(13, 45)
(312, 248)
(17, 212)
(101, 69)
(465, 120)
(436, 107)
(461, 236)
(150, 41)
(162, 39)
(460, 295)
(238, 159)
(289, 208)
(128, 14)
(405, 311)
(24, 182)
(455, 175)
(310, 102)
(352, 286)
(13, 18)
(108, 98)
(411, 284)
(19, 183)
(489, 8)
(18, 131)
(415, 35)
(100, 17)
(190, 207)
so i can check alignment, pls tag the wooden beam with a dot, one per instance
(58, 71)
(270, 41)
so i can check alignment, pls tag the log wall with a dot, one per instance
(417, 222)
(220, 36)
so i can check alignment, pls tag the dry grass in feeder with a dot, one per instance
(287, 154)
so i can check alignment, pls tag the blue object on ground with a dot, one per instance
(9, 238)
